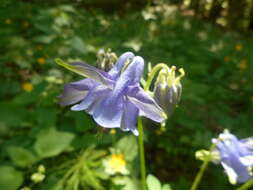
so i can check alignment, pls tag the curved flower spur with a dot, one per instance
(115, 98)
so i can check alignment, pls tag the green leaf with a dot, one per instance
(49, 113)
(128, 146)
(153, 183)
(125, 182)
(166, 187)
(52, 142)
(11, 114)
(10, 179)
(83, 122)
(21, 157)
(84, 141)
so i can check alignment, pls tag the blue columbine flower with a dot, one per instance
(236, 156)
(115, 98)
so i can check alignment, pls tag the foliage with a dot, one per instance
(35, 130)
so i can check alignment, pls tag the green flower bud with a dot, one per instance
(37, 177)
(25, 188)
(41, 169)
(167, 90)
(207, 155)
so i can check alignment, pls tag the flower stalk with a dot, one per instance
(202, 170)
(142, 154)
(152, 74)
(246, 186)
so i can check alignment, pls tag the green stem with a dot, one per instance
(152, 74)
(142, 155)
(201, 171)
(246, 185)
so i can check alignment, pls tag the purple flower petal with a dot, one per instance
(89, 71)
(248, 143)
(76, 91)
(148, 107)
(134, 71)
(235, 157)
(129, 118)
(235, 169)
(109, 112)
(94, 94)
(116, 70)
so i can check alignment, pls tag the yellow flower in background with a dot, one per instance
(27, 86)
(238, 47)
(227, 59)
(8, 21)
(251, 99)
(114, 164)
(25, 24)
(41, 60)
(243, 64)
(113, 131)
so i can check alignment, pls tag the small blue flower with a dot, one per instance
(115, 98)
(236, 156)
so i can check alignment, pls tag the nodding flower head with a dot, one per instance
(236, 156)
(167, 90)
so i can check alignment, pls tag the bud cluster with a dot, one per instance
(106, 59)
(39, 176)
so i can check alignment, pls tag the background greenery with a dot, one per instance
(203, 37)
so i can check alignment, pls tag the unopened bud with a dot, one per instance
(41, 169)
(167, 90)
(37, 177)
(25, 188)
(207, 155)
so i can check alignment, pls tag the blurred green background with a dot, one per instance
(46, 147)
